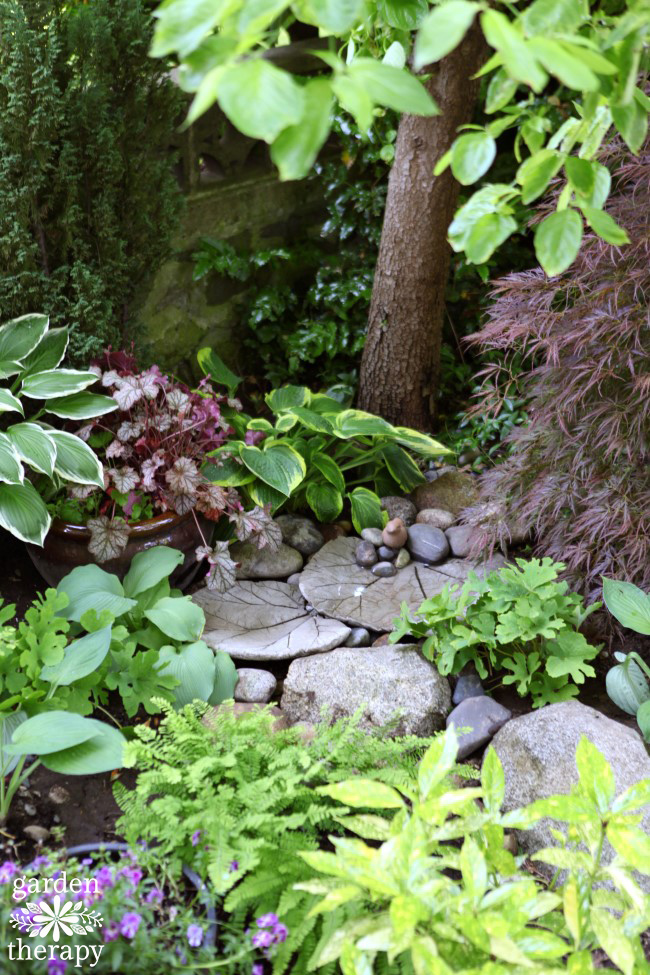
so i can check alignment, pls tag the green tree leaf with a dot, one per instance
(632, 122)
(296, 148)
(581, 174)
(260, 99)
(443, 30)
(403, 14)
(472, 155)
(487, 234)
(557, 241)
(182, 25)
(335, 16)
(392, 88)
(560, 62)
(605, 226)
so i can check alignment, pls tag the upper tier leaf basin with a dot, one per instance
(66, 547)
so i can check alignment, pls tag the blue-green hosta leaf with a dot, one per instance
(628, 604)
(10, 403)
(49, 352)
(89, 587)
(8, 724)
(75, 461)
(280, 466)
(225, 678)
(643, 720)
(627, 686)
(34, 446)
(151, 567)
(193, 667)
(23, 513)
(178, 618)
(50, 732)
(260, 99)
(80, 659)
(287, 397)
(443, 30)
(11, 470)
(325, 501)
(295, 150)
(21, 335)
(52, 383)
(557, 241)
(366, 509)
(101, 753)
(81, 406)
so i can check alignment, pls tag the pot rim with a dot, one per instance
(138, 528)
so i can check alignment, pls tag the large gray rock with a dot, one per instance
(538, 750)
(461, 539)
(477, 719)
(266, 621)
(254, 686)
(336, 586)
(436, 517)
(300, 533)
(452, 490)
(388, 682)
(262, 563)
(427, 544)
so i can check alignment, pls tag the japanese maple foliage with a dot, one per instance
(152, 449)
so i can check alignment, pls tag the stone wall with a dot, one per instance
(232, 194)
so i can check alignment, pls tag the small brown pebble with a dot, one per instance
(58, 795)
(394, 534)
(37, 833)
(330, 532)
(381, 641)
(510, 843)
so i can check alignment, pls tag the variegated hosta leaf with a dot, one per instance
(11, 470)
(222, 568)
(258, 527)
(108, 537)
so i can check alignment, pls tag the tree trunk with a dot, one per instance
(401, 358)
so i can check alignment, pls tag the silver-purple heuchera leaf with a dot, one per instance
(221, 576)
(257, 527)
(108, 537)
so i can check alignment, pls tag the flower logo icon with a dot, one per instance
(56, 918)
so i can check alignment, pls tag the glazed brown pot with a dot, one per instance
(66, 547)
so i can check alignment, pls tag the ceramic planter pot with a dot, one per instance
(66, 547)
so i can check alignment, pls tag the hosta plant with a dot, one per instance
(627, 683)
(152, 446)
(32, 386)
(150, 644)
(314, 453)
(518, 619)
(439, 895)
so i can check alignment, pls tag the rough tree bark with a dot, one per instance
(402, 352)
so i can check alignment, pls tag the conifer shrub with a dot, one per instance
(578, 472)
(88, 201)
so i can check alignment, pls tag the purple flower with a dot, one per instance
(133, 875)
(280, 933)
(267, 920)
(195, 838)
(234, 866)
(104, 877)
(262, 939)
(38, 862)
(56, 966)
(129, 925)
(155, 896)
(87, 862)
(7, 871)
(195, 935)
(111, 932)
(257, 969)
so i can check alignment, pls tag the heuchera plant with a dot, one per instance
(152, 447)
